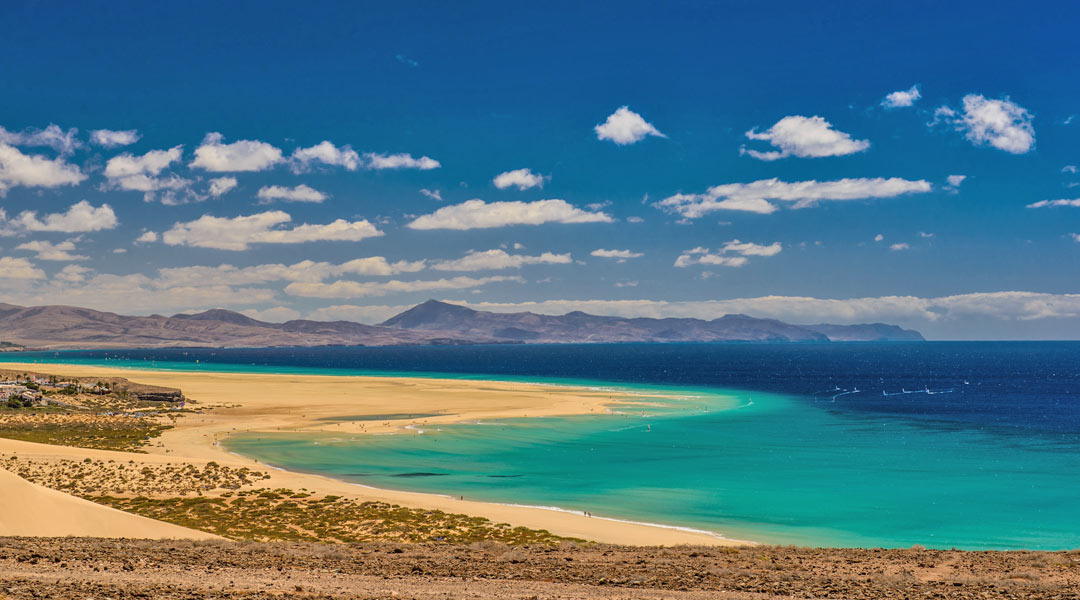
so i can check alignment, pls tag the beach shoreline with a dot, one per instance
(267, 403)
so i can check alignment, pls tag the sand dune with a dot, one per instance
(27, 509)
(251, 402)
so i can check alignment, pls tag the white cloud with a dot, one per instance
(400, 161)
(926, 235)
(804, 137)
(731, 254)
(73, 274)
(634, 220)
(32, 170)
(754, 197)
(499, 259)
(306, 271)
(300, 193)
(902, 98)
(433, 194)
(1070, 169)
(620, 254)
(148, 237)
(878, 237)
(325, 153)
(522, 179)
(355, 289)
(1002, 124)
(625, 126)
(55, 252)
(82, 217)
(19, 268)
(477, 214)
(113, 138)
(1075, 236)
(623, 284)
(152, 163)
(238, 233)
(1046, 203)
(219, 186)
(63, 142)
(899, 247)
(954, 181)
(243, 155)
(142, 174)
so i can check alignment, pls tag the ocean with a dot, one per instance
(972, 445)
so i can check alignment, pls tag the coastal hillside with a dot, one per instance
(577, 327)
(430, 323)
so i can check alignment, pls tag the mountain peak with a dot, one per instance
(220, 314)
(432, 312)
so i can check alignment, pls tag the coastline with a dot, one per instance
(264, 402)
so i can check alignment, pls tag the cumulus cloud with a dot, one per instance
(400, 161)
(355, 289)
(148, 237)
(303, 271)
(522, 179)
(1001, 124)
(491, 260)
(878, 237)
(32, 170)
(110, 138)
(731, 254)
(219, 186)
(755, 196)
(899, 247)
(902, 98)
(243, 155)
(82, 217)
(63, 142)
(620, 254)
(624, 127)
(477, 214)
(300, 193)
(804, 137)
(61, 252)
(238, 233)
(143, 174)
(433, 194)
(1049, 203)
(326, 153)
(954, 181)
(19, 268)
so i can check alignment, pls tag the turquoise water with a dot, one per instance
(971, 446)
(756, 466)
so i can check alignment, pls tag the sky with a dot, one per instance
(915, 164)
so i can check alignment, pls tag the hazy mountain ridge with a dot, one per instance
(582, 327)
(430, 323)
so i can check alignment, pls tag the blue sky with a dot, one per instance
(160, 159)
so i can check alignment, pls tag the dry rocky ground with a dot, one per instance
(121, 570)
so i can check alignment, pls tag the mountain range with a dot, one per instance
(429, 323)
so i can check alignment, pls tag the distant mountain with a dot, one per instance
(871, 332)
(577, 327)
(57, 327)
(430, 323)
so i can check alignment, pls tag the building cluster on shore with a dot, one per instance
(31, 390)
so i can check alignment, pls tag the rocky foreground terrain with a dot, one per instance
(120, 570)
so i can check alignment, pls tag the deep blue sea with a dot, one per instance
(945, 444)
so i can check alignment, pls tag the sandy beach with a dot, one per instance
(243, 402)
